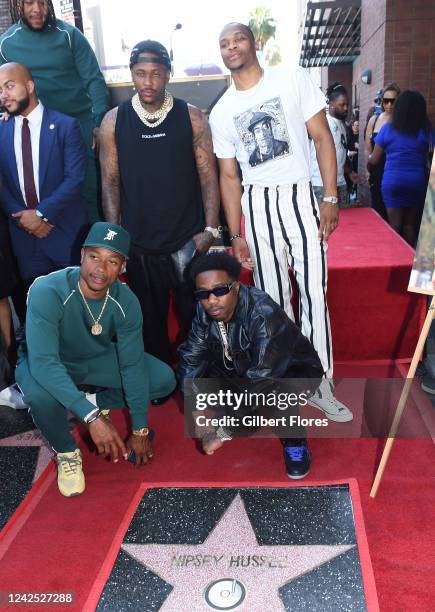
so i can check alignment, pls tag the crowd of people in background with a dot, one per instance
(55, 98)
(344, 141)
(398, 139)
(405, 140)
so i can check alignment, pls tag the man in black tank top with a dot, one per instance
(159, 181)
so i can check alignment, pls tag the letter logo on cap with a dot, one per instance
(110, 235)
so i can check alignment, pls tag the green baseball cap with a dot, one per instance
(109, 236)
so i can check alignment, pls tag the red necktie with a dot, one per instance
(29, 178)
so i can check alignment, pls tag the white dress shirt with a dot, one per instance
(35, 121)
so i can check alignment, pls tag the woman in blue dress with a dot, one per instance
(406, 142)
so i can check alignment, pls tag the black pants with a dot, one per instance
(152, 277)
(375, 182)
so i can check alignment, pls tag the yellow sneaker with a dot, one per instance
(70, 477)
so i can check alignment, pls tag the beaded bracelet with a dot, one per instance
(235, 236)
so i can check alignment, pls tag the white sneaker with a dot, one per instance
(325, 400)
(12, 397)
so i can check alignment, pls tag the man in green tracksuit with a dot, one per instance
(66, 72)
(73, 316)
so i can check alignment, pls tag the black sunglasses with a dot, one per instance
(388, 100)
(219, 291)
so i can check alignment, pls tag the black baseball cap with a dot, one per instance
(150, 46)
(259, 118)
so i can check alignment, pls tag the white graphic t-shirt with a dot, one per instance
(338, 131)
(264, 127)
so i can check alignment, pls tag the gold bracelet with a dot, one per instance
(143, 432)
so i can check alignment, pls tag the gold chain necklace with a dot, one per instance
(96, 328)
(154, 119)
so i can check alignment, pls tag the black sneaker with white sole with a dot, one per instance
(297, 457)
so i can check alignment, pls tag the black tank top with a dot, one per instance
(161, 203)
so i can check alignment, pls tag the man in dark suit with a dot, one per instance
(42, 165)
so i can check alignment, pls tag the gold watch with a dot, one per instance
(143, 432)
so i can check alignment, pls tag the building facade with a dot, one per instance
(396, 43)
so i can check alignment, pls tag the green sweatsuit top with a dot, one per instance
(60, 346)
(63, 65)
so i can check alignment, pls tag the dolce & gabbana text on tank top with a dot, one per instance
(154, 135)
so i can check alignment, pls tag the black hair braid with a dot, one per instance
(335, 90)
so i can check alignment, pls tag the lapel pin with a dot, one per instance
(51, 126)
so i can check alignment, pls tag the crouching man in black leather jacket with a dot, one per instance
(240, 332)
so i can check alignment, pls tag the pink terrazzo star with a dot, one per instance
(230, 551)
(32, 437)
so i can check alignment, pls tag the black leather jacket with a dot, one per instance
(263, 343)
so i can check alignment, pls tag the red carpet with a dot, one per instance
(372, 314)
(64, 542)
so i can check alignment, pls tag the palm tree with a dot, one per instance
(273, 55)
(262, 25)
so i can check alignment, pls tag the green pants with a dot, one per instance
(50, 415)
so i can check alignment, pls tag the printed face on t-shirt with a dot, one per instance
(263, 135)
(267, 139)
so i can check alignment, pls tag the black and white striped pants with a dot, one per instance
(281, 226)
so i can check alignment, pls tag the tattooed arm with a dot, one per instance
(110, 180)
(207, 172)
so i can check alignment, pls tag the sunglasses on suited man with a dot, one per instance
(388, 101)
(219, 291)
